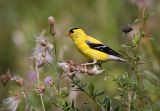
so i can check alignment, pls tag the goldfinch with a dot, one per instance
(92, 48)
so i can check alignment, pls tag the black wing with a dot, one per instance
(103, 48)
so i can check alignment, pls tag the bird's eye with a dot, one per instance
(72, 30)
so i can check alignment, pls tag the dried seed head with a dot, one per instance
(127, 29)
(18, 80)
(49, 46)
(71, 67)
(5, 78)
(96, 70)
(11, 103)
(40, 89)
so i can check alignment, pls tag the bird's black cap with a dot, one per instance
(71, 30)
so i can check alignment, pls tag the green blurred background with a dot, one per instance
(21, 21)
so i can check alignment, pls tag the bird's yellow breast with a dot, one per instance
(91, 53)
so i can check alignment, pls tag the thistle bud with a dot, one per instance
(51, 20)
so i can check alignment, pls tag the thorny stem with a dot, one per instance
(38, 81)
(136, 67)
(52, 22)
(139, 79)
(97, 102)
(81, 89)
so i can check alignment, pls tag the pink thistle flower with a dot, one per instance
(42, 53)
(32, 75)
(48, 80)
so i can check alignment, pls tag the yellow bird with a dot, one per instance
(92, 48)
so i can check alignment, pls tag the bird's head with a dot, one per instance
(76, 33)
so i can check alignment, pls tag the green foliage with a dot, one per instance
(104, 104)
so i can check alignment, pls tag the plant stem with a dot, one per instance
(84, 91)
(55, 89)
(138, 77)
(129, 100)
(41, 97)
(38, 81)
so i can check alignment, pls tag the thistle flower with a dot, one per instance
(32, 75)
(52, 22)
(42, 53)
(48, 80)
(18, 80)
(11, 103)
(71, 67)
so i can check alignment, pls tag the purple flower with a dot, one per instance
(32, 75)
(42, 52)
(48, 80)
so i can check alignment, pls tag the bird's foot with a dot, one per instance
(90, 63)
(99, 64)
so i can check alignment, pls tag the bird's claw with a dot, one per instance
(92, 63)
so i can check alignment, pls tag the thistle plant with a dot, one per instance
(130, 84)
(132, 95)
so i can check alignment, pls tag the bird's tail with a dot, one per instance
(111, 57)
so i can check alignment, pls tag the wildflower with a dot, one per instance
(71, 67)
(18, 80)
(42, 53)
(64, 66)
(40, 89)
(11, 103)
(32, 75)
(48, 80)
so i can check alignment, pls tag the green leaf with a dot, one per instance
(135, 40)
(143, 34)
(139, 20)
(109, 105)
(91, 87)
(100, 93)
